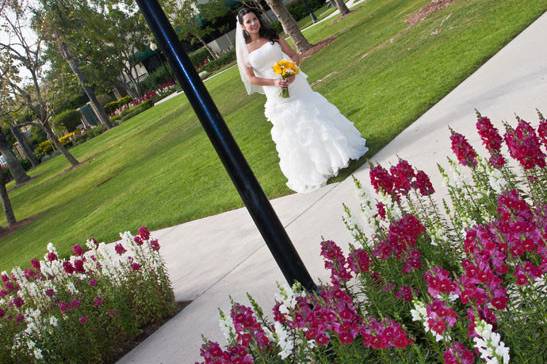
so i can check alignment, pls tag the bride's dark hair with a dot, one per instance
(264, 32)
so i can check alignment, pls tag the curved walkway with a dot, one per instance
(222, 255)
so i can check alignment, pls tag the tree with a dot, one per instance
(55, 21)
(6, 203)
(189, 17)
(341, 5)
(17, 171)
(290, 26)
(124, 33)
(23, 51)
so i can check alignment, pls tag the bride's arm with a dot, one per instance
(264, 81)
(286, 48)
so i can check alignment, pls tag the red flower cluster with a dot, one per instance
(402, 236)
(359, 261)
(400, 179)
(213, 354)
(463, 150)
(439, 283)
(457, 353)
(330, 313)
(491, 140)
(524, 145)
(440, 316)
(384, 335)
(247, 327)
(335, 261)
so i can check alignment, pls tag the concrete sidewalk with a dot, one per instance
(222, 255)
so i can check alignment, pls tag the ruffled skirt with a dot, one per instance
(313, 139)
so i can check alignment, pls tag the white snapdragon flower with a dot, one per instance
(285, 342)
(489, 344)
(53, 321)
(71, 288)
(38, 354)
(226, 325)
(496, 180)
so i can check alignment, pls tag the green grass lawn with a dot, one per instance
(159, 169)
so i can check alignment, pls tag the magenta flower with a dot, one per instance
(155, 245)
(402, 175)
(79, 266)
(463, 150)
(50, 292)
(144, 233)
(247, 327)
(83, 320)
(381, 180)
(2, 312)
(439, 283)
(17, 301)
(381, 210)
(457, 353)
(51, 256)
(77, 250)
(93, 282)
(335, 262)
(404, 293)
(120, 250)
(491, 140)
(524, 145)
(359, 261)
(138, 240)
(423, 184)
(68, 268)
(135, 266)
(98, 302)
(35, 264)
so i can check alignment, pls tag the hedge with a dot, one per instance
(69, 119)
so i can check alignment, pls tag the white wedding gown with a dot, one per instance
(313, 139)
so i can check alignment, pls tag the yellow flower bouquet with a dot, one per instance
(285, 69)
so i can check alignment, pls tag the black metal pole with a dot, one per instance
(243, 178)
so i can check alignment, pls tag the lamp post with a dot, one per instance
(243, 178)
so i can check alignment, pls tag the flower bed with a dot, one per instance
(85, 308)
(434, 282)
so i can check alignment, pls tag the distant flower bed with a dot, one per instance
(425, 282)
(160, 92)
(86, 308)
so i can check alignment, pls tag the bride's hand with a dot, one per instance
(290, 79)
(281, 83)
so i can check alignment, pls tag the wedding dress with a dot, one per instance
(313, 139)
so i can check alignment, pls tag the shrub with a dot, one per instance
(160, 76)
(67, 138)
(43, 148)
(84, 308)
(133, 111)
(420, 285)
(68, 119)
(220, 62)
(199, 56)
(113, 105)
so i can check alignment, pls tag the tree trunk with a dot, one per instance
(289, 25)
(89, 91)
(27, 150)
(341, 5)
(211, 52)
(264, 11)
(17, 171)
(57, 144)
(6, 203)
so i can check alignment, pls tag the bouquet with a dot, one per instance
(285, 69)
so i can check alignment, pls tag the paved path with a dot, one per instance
(223, 255)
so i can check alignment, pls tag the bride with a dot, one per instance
(313, 139)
